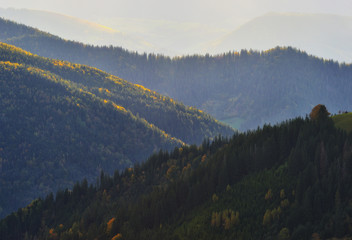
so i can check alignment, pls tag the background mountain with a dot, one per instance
(323, 35)
(244, 89)
(61, 122)
(77, 29)
(289, 181)
(142, 35)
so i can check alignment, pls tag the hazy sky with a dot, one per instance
(203, 11)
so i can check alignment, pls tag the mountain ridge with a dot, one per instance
(225, 85)
(61, 122)
(313, 33)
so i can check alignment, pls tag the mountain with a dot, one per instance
(244, 89)
(142, 35)
(61, 122)
(289, 181)
(77, 29)
(324, 35)
(172, 38)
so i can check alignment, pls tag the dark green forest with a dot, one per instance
(244, 89)
(62, 122)
(287, 181)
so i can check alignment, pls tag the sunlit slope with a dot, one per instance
(54, 133)
(186, 123)
(343, 121)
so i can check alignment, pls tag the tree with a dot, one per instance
(284, 234)
(319, 112)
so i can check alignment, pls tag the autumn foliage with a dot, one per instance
(319, 112)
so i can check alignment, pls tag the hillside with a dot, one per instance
(262, 184)
(343, 121)
(323, 35)
(62, 122)
(244, 89)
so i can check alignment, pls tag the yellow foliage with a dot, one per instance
(215, 198)
(269, 194)
(282, 194)
(267, 217)
(285, 203)
(9, 65)
(216, 219)
(119, 107)
(186, 168)
(142, 87)
(227, 219)
(15, 49)
(59, 63)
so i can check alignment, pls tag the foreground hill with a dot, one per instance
(61, 122)
(243, 89)
(289, 181)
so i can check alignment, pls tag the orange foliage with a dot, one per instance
(53, 235)
(319, 112)
(109, 224)
(204, 157)
(117, 236)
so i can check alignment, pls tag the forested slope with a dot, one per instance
(62, 122)
(244, 89)
(289, 181)
(186, 123)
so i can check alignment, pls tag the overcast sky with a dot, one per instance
(203, 11)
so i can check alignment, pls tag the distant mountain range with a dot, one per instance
(244, 89)
(142, 35)
(323, 35)
(61, 122)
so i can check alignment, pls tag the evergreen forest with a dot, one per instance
(288, 181)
